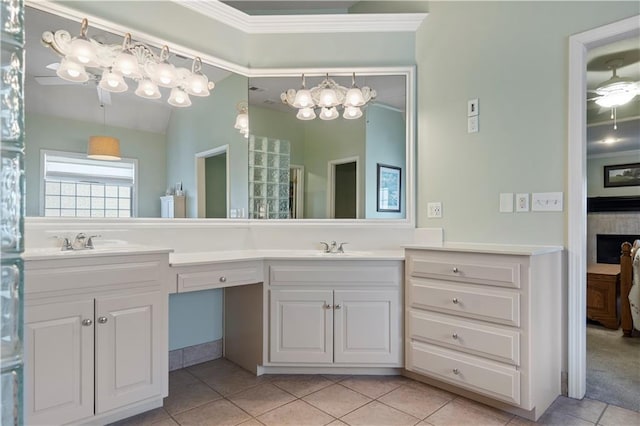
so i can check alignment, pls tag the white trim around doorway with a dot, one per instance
(201, 195)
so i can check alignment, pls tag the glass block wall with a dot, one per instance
(268, 178)
(11, 208)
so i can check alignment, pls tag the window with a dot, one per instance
(74, 185)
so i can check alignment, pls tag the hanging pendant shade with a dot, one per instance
(103, 148)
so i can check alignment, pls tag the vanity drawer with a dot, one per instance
(490, 378)
(460, 268)
(323, 274)
(219, 276)
(483, 303)
(468, 336)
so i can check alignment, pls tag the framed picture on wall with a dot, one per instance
(388, 188)
(622, 175)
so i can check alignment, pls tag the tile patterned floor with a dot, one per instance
(221, 393)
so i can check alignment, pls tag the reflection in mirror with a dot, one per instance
(167, 144)
(325, 169)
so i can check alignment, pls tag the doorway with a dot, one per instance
(579, 45)
(212, 183)
(343, 192)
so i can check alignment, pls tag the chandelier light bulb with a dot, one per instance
(197, 85)
(127, 65)
(71, 70)
(352, 112)
(83, 51)
(354, 98)
(165, 75)
(179, 98)
(148, 89)
(306, 114)
(112, 82)
(303, 99)
(328, 99)
(328, 114)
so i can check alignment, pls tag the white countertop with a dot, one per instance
(201, 258)
(50, 253)
(513, 249)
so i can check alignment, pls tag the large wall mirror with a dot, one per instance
(326, 169)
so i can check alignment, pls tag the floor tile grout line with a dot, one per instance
(602, 414)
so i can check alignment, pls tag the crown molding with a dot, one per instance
(288, 24)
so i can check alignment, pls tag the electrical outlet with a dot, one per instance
(522, 202)
(434, 210)
(472, 124)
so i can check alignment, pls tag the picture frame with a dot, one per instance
(389, 183)
(621, 175)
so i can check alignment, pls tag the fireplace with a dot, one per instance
(608, 246)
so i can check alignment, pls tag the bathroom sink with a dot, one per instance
(354, 253)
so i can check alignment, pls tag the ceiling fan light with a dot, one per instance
(306, 114)
(71, 70)
(354, 98)
(615, 99)
(179, 98)
(328, 99)
(303, 99)
(329, 114)
(127, 65)
(197, 85)
(148, 89)
(351, 113)
(112, 82)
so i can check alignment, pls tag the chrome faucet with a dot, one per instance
(79, 242)
(333, 247)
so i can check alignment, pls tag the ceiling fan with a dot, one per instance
(104, 96)
(616, 91)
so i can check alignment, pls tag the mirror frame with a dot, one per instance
(409, 71)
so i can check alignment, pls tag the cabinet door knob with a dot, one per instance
(456, 371)
(455, 336)
(455, 270)
(87, 322)
(455, 301)
(223, 279)
(102, 320)
(329, 306)
(338, 307)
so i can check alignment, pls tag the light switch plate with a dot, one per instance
(546, 201)
(522, 202)
(434, 210)
(506, 202)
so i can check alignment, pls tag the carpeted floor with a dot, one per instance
(613, 367)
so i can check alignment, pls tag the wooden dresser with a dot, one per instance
(603, 290)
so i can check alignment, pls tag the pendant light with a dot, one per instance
(102, 147)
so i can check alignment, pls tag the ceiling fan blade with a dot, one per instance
(104, 96)
(53, 80)
(53, 66)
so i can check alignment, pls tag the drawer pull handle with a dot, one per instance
(338, 307)
(87, 322)
(102, 320)
(456, 371)
(455, 301)
(455, 270)
(223, 279)
(455, 336)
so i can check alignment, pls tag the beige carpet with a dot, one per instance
(613, 367)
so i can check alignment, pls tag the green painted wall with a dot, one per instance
(45, 132)
(595, 176)
(206, 124)
(386, 139)
(216, 186)
(513, 56)
(194, 318)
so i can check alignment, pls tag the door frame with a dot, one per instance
(579, 45)
(331, 184)
(201, 186)
(299, 194)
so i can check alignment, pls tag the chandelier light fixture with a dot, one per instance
(616, 91)
(242, 119)
(325, 99)
(113, 65)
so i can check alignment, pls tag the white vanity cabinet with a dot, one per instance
(486, 321)
(96, 338)
(334, 313)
